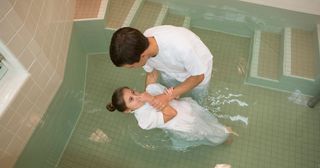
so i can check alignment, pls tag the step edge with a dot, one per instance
(162, 15)
(132, 13)
(255, 53)
(287, 52)
(187, 22)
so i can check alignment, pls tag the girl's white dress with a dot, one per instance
(192, 126)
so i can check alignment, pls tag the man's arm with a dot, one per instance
(187, 85)
(168, 113)
(162, 100)
(151, 77)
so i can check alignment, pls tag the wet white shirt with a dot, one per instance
(192, 126)
(181, 53)
(147, 116)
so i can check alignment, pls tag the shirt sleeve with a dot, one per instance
(193, 64)
(155, 89)
(148, 68)
(149, 118)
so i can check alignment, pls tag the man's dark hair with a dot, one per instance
(127, 44)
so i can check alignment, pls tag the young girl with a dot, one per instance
(184, 120)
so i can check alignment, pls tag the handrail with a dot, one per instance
(1, 57)
(314, 101)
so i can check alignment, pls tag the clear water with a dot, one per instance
(274, 130)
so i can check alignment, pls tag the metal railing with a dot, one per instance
(3, 68)
(314, 101)
(1, 57)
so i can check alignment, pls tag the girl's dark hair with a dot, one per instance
(127, 44)
(117, 102)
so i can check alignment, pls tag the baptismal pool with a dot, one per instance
(276, 129)
(278, 132)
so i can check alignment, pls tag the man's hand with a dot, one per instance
(161, 101)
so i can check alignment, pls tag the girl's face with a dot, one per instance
(131, 98)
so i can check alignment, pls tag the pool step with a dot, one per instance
(151, 14)
(120, 13)
(266, 56)
(141, 14)
(300, 54)
(286, 62)
(90, 10)
(110, 15)
(176, 20)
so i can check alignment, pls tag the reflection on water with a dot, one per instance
(99, 136)
(225, 97)
(298, 98)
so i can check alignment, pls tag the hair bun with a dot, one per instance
(111, 107)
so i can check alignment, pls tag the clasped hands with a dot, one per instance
(160, 101)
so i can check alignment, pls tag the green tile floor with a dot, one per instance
(279, 134)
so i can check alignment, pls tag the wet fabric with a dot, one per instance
(192, 126)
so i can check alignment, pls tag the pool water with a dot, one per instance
(279, 132)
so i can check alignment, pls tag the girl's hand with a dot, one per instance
(169, 92)
(145, 97)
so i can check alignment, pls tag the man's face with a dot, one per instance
(134, 65)
(139, 64)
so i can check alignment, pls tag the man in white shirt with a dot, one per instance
(182, 59)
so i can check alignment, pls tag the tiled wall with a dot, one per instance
(37, 32)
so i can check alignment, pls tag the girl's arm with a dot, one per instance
(168, 111)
